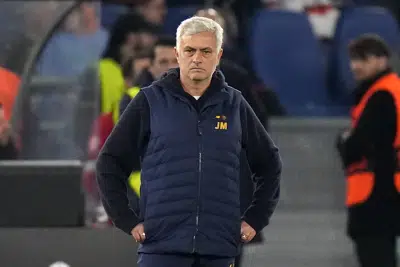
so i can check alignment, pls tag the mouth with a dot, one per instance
(197, 69)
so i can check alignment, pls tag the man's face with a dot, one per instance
(198, 56)
(155, 11)
(164, 59)
(147, 39)
(140, 64)
(366, 68)
(131, 44)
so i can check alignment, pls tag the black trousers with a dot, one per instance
(376, 251)
(176, 260)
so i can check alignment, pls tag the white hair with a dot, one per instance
(195, 25)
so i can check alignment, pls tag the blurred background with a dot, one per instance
(66, 65)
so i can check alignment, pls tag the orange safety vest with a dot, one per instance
(360, 178)
(9, 84)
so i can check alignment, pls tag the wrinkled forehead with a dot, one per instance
(199, 41)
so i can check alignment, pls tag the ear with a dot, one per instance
(221, 51)
(176, 53)
(383, 62)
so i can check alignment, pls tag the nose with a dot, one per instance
(197, 58)
(355, 64)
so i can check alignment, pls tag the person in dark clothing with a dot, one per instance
(127, 37)
(237, 77)
(369, 152)
(125, 40)
(8, 151)
(141, 61)
(189, 129)
(162, 59)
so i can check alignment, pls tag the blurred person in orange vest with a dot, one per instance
(370, 155)
(9, 83)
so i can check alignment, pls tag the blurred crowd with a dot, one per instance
(62, 93)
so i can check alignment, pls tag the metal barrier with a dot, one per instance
(41, 194)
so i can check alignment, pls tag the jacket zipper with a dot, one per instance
(199, 132)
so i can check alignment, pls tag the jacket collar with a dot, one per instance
(364, 85)
(214, 94)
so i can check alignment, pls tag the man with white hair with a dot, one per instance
(188, 129)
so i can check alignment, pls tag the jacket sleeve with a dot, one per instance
(126, 99)
(376, 128)
(117, 159)
(265, 164)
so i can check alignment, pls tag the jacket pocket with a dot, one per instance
(149, 229)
